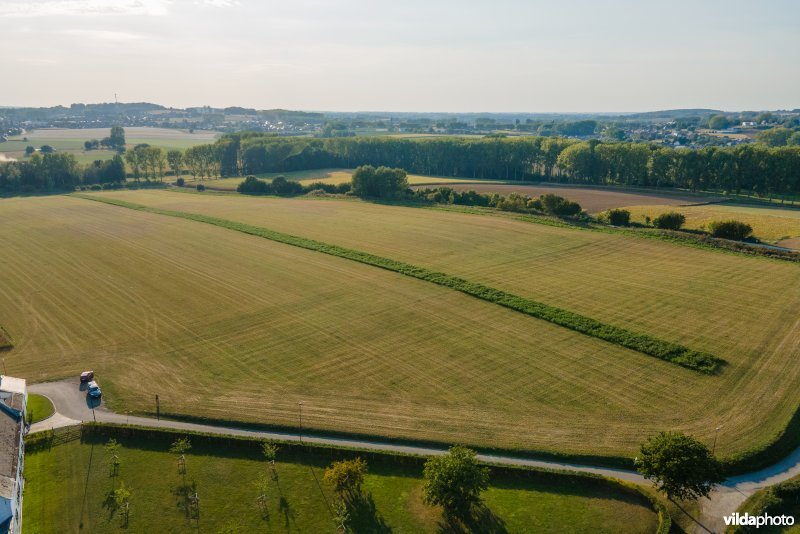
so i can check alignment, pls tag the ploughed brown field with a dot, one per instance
(592, 200)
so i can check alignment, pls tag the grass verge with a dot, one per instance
(68, 487)
(671, 352)
(780, 499)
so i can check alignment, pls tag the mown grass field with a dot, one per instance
(71, 140)
(742, 309)
(328, 176)
(229, 326)
(67, 486)
(771, 224)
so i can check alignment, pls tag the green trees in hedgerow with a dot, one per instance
(381, 182)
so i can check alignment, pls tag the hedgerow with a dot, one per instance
(652, 346)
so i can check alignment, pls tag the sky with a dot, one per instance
(409, 55)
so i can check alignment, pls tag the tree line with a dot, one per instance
(754, 169)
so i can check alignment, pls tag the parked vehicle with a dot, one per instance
(87, 376)
(94, 390)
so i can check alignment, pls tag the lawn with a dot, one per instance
(67, 487)
(71, 140)
(39, 408)
(328, 176)
(770, 224)
(742, 309)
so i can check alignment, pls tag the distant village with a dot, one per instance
(691, 128)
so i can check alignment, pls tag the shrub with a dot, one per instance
(96, 187)
(559, 206)
(201, 187)
(514, 202)
(181, 182)
(283, 187)
(732, 229)
(383, 182)
(253, 186)
(346, 476)
(672, 220)
(616, 217)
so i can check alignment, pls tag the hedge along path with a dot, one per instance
(678, 354)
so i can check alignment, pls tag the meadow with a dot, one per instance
(742, 309)
(229, 326)
(770, 223)
(67, 488)
(328, 176)
(71, 140)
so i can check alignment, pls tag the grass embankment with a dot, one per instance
(671, 352)
(39, 408)
(780, 499)
(67, 488)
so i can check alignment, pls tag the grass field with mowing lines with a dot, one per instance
(742, 309)
(224, 325)
(328, 176)
(683, 356)
(771, 224)
(66, 488)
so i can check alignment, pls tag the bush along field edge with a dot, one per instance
(100, 432)
(772, 500)
(674, 353)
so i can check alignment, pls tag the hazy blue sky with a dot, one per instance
(409, 55)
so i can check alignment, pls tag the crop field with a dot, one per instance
(593, 200)
(71, 140)
(771, 224)
(328, 176)
(742, 309)
(66, 490)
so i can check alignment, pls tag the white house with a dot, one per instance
(13, 404)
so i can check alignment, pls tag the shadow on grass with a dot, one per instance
(480, 520)
(364, 516)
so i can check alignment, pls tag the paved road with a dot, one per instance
(72, 406)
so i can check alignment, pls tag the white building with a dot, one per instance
(13, 402)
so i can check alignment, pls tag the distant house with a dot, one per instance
(13, 404)
(748, 124)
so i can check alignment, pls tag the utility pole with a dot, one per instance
(714, 447)
(300, 405)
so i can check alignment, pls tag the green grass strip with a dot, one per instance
(671, 352)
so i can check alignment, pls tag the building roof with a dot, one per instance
(10, 428)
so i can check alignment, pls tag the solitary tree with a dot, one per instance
(383, 182)
(179, 448)
(270, 451)
(680, 466)
(112, 456)
(29, 150)
(122, 497)
(117, 137)
(455, 481)
(346, 477)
